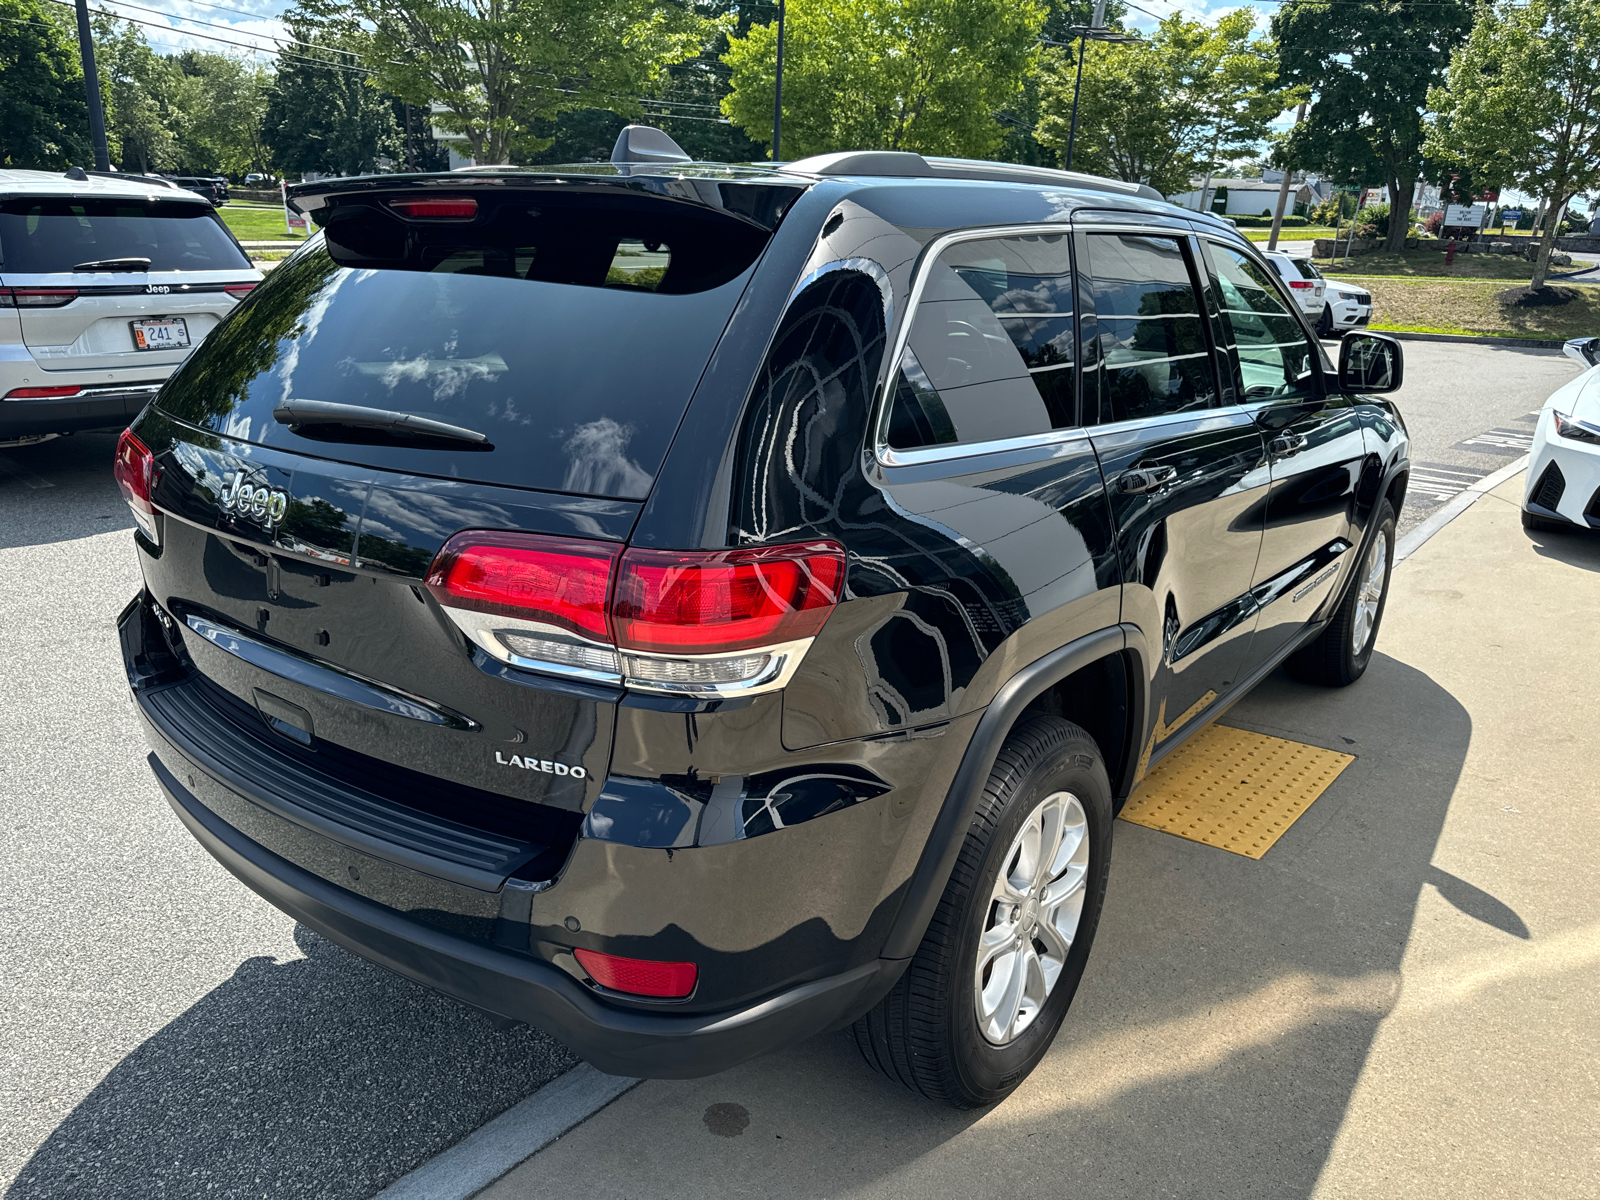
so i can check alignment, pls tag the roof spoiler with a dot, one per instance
(646, 144)
(903, 164)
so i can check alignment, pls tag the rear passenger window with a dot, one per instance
(1274, 356)
(990, 354)
(1153, 352)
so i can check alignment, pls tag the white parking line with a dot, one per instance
(1440, 483)
(22, 475)
(481, 1157)
(1501, 439)
(1413, 541)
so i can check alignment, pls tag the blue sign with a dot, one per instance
(1509, 215)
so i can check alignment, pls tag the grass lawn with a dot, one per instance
(1425, 262)
(1287, 234)
(255, 222)
(1469, 306)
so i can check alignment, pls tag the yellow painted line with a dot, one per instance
(1234, 790)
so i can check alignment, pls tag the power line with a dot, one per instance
(274, 37)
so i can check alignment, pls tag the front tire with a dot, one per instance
(1340, 653)
(997, 969)
(1325, 322)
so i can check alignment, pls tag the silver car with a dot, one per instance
(107, 283)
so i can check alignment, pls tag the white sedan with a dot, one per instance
(1563, 487)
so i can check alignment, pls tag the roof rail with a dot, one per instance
(903, 164)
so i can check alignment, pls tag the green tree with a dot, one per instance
(499, 66)
(1521, 105)
(924, 75)
(1160, 110)
(136, 84)
(323, 115)
(1369, 64)
(44, 119)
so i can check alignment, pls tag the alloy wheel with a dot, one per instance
(1371, 596)
(1033, 914)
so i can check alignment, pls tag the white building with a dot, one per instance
(1243, 197)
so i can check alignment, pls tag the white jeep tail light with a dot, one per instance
(710, 623)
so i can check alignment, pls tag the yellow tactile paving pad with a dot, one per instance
(1234, 790)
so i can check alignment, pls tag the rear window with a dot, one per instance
(1306, 269)
(571, 336)
(41, 236)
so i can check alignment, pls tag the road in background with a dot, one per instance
(163, 1031)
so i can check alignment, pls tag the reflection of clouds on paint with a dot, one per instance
(598, 464)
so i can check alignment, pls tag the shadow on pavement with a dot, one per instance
(318, 1077)
(1575, 547)
(1226, 1016)
(59, 491)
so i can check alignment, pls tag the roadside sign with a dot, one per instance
(293, 222)
(1470, 215)
(1509, 215)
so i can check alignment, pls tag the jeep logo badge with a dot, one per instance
(540, 764)
(263, 505)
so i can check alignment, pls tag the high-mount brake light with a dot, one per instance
(639, 976)
(435, 208)
(37, 297)
(709, 623)
(238, 290)
(134, 468)
(43, 393)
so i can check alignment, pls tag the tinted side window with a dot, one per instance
(1150, 327)
(990, 354)
(1274, 357)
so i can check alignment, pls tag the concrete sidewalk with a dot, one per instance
(1399, 999)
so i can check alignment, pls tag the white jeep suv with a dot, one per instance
(107, 282)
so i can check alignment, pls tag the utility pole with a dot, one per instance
(1096, 31)
(1283, 190)
(777, 94)
(91, 88)
(1211, 167)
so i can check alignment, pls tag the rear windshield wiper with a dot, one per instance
(115, 264)
(323, 412)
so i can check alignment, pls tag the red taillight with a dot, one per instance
(556, 581)
(238, 290)
(721, 622)
(639, 976)
(725, 600)
(36, 297)
(44, 393)
(134, 468)
(437, 207)
(1300, 284)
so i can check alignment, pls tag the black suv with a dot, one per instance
(691, 607)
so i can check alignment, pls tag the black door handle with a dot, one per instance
(1146, 479)
(1287, 443)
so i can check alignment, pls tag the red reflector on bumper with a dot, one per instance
(44, 393)
(639, 976)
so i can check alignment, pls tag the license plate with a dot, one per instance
(165, 333)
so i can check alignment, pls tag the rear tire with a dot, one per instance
(1340, 653)
(1048, 789)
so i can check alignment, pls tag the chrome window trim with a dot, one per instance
(902, 337)
(1294, 306)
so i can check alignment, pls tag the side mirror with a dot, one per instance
(1584, 350)
(1370, 362)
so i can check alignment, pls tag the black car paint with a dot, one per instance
(878, 746)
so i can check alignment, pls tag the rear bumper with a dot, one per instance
(104, 409)
(617, 1041)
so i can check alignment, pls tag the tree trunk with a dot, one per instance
(1547, 243)
(1401, 194)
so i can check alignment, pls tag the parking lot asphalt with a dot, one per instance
(1397, 1000)
(163, 1031)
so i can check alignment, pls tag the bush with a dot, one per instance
(1265, 221)
(1434, 223)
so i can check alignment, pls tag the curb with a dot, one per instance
(520, 1132)
(1475, 339)
(1413, 541)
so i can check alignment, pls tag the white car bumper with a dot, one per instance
(1571, 490)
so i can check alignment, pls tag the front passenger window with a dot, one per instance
(1274, 356)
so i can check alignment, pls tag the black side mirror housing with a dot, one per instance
(1369, 363)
